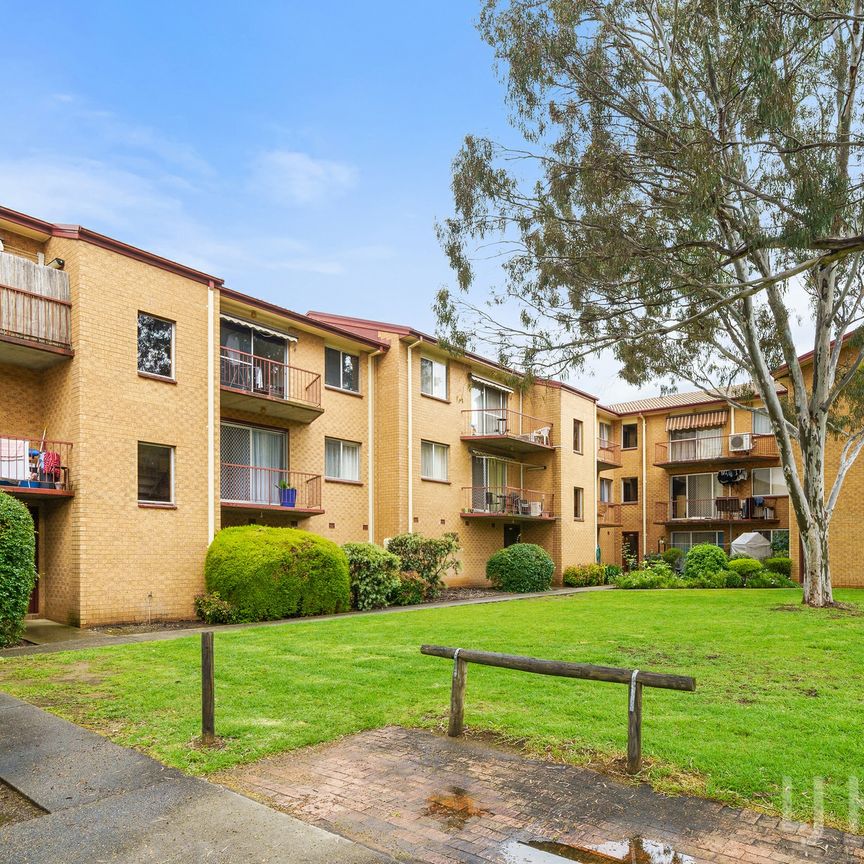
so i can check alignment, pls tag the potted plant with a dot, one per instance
(287, 494)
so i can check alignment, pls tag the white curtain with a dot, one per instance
(14, 463)
(341, 459)
(268, 452)
(350, 461)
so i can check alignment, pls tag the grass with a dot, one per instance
(779, 688)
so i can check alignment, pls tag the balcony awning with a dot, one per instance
(705, 420)
(486, 382)
(265, 330)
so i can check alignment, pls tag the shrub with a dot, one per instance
(584, 575)
(783, 566)
(733, 580)
(704, 560)
(520, 568)
(767, 579)
(655, 577)
(17, 568)
(268, 573)
(410, 590)
(428, 557)
(212, 609)
(672, 556)
(613, 571)
(706, 580)
(745, 568)
(780, 544)
(374, 574)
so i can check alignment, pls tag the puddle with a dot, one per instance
(635, 851)
(454, 808)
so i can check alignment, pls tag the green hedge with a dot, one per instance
(704, 560)
(783, 566)
(269, 573)
(374, 575)
(521, 568)
(584, 575)
(17, 567)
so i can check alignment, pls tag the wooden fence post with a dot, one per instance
(208, 702)
(634, 726)
(457, 696)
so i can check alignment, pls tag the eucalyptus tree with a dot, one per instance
(689, 168)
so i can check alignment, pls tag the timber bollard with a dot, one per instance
(208, 693)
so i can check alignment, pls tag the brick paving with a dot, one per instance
(426, 798)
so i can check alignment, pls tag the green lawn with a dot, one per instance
(780, 692)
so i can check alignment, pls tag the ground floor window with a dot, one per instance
(341, 459)
(686, 540)
(779, 538)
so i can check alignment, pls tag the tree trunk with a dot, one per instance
(815, 566)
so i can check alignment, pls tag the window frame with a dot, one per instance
(771, 492)
(762, 414)
(342, 444)
(153, 502)
(605, 483)
(578, 436)
(624, 499)
(446, 448)
(635, 427)
(446, 366)
(340, 386)
(156, 375)
(578, 504)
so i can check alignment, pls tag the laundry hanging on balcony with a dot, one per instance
(704, 420)
(733, 475)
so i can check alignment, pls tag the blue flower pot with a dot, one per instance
(288, 497)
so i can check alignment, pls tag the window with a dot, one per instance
(155, 473)
(253, 360)
(694, 496)
(341, 460)
(686, 540)
(605, 490)
(762, 423)
(155, 346)
(577, 436)
(433, 378)
(769, 481)
(629, 436)
(341, 370)
(689, 445)
(578, 502)
(488, 410)
(779, 538)
(630, 490)
(605, 434)
(434, 460)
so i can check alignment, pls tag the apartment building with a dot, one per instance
(144, 405)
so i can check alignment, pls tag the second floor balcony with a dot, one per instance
(294, 493)
(608, 514)
(497, 502)
(608, 455)
(34, 467)
(250, 382)
(741, 448)
(753, 509)
(506, 431)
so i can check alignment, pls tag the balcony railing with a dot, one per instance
(262, 377)
(35, 318)
(502, 423)
(507, 501)
(34, 465)
(608, 514)
(742, 446)
(608, 453)
(756, 508)
(249, 484)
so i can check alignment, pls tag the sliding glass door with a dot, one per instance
(489, 414)
(253, 462)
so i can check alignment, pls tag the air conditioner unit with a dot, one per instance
(741, 443)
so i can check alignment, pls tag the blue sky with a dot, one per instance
(299, 150)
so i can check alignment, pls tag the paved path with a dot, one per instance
(109, 804)
(426, 798)
(88, 639)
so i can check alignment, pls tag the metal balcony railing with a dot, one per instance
(756, 508)
(503, 423)
(250, 484)
(262, 377)
(608, 452)
(608, 514)
(508, 501)
(34, 463)
(728, 447)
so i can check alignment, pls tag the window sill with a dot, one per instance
(625, 503)
(152, 377)
(157, 505)
(346, 482)
(435, 480)
(631, 448)
(443, 399)
(578, 518)
(356, 393)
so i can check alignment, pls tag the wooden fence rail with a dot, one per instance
(635, 679)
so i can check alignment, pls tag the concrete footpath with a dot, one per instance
(105, 803)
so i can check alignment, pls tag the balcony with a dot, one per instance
(608, 455)
(754, 510)
(33, 468)
(248, 487)
(252, 383)
(35, 313)
(506, 431)
(741, 449)
(507, 502)
(608, 515)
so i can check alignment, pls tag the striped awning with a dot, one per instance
(705, 420)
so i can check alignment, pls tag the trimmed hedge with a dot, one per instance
(745, 567)
(521, 568)
(374, 574)
(783, 566)
(17, 567)
(584, 575)
(704, 560)
(268, 573)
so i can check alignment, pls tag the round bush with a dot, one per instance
(783, 566)
(672, 556)
(374, 574)
(704, 560)
(17, 567)
(269, 573)
(745, 568)
(520, 568)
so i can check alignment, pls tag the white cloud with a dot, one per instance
(287, 176)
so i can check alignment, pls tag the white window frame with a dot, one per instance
(343, 445)
(603, 426)
(170, 448)
(342, 353)
(172, 375)
(446, 372)
(762, 415)
(605, 483)
(580, 426)
(690, 544)
(445, 449)
(774, 488)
